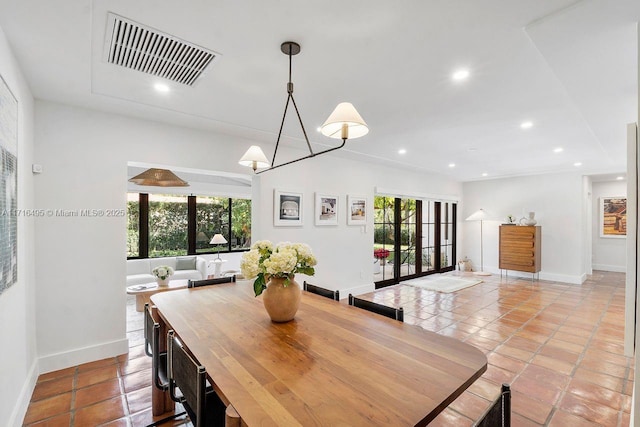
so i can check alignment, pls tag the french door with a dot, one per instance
(412, 238)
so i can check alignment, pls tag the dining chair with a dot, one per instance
(499, 414)
(334, 295)
(158, 358)
(393, 313)
(188, 385)
(207, 282)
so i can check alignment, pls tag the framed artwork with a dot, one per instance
(356, 210)
(326, 209)
(287, 209)
(613, 217)
(8, 187)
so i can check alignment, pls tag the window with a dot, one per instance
(212, 217)
(412, 238)
(133, 225)
(169, 225)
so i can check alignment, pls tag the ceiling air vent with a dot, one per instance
(135, 46)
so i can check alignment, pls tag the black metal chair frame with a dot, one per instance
(190, 378)
(327, 293)
(384, 310)
(207, 282)
(499, 414)
(158, 359)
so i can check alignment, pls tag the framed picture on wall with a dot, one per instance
(356, 210)
(287, 209)
(8, 187)
(326, 212)
(613, 217)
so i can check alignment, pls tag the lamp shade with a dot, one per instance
(254, 158)
(479, 215)
(218, 239)
(159, 178)
(344, 114)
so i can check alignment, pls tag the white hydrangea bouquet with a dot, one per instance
(162, 272)
(283, 260)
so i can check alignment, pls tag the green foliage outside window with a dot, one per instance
(168, 224)
(133, 220)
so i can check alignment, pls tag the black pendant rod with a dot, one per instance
(344, 140)
(290, 49)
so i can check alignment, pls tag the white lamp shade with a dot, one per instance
(344, 113)
(254, 155)
(218, 239)
(479, 215)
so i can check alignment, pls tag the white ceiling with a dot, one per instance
(569, 67)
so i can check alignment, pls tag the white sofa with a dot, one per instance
(184, 267)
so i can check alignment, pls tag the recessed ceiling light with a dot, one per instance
(161, 87)
(452, 165)
(402, 151)
(319, 129)
(620, 178)
(460, 75)
(526, 125)
(576, 164)
(485, 174)
(558, 150)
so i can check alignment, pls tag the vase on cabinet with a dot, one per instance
(529, 220)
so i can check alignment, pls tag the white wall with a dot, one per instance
(556, 199)
(609, 254)
(81, 261)
(18, 367)
(345, 253)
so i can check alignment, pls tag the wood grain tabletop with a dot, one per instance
(333, 365)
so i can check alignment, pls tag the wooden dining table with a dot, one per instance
(333, 365)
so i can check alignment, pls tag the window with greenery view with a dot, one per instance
(169, 225)
(412, 238)
(133, 225)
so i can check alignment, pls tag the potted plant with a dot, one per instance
(162, 274)
(382, 254)
(274, 269)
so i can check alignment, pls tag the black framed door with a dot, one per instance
(412, 238)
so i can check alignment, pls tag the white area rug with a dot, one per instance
(442, 283)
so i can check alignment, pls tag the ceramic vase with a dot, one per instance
(530, 220)
(162, 282)
(281, 301)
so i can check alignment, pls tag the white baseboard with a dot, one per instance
(614, 268)
(54, 362)
(357, 290)
(22, 404)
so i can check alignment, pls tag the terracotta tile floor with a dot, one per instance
(558, 345)
(114, 392)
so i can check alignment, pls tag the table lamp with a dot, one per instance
(218, 239)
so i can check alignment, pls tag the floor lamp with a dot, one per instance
(480, 215)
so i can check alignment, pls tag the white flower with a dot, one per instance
(250, 264)
(263, 246)
(282, 260)
(162, 271)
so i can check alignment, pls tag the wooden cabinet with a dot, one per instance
(520, 248)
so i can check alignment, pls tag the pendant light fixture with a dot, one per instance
(343, 123)
(159, 178)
